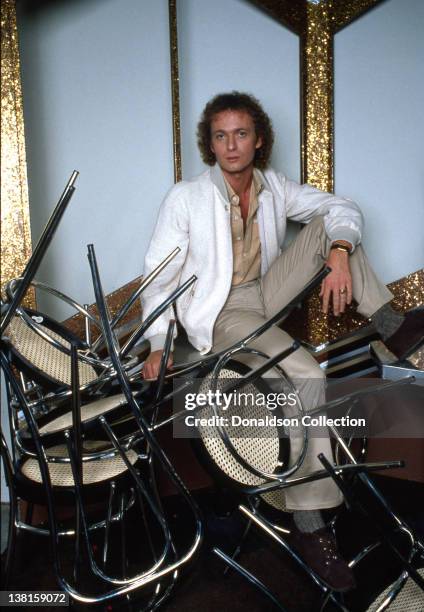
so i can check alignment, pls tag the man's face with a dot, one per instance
(234, 140)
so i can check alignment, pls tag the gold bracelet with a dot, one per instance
(340, 247)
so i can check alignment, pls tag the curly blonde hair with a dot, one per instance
(237, 101)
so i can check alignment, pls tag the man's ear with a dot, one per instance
(259, 142)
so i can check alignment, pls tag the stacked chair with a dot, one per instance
(65, 453)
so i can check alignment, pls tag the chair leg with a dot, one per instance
(238, 548)
(416, 544)
(77, 550)
(29, 513)
(250, 577)
(108, 523)
(123, 538)
(12, 530)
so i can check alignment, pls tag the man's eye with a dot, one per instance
(242, 133)
(219, 136)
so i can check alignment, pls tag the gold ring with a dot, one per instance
(342, 291)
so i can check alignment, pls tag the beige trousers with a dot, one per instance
(251, 304)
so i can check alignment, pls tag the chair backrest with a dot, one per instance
(405, 596)
(41, 359)
(251, 427)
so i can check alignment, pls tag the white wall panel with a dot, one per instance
(379, 130)
(229, 44)
(96, 88)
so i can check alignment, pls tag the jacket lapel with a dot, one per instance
(217, 179)
(267, 225)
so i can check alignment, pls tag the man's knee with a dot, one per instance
(314, 236)
(302, 365)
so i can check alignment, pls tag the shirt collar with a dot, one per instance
(225, 188)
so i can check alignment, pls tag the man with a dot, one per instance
(230, 223)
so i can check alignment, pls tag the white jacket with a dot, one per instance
(195, 216)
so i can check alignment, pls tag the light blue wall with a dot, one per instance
(379, 131)
(229, 44)
(96, 92)
(97, 98)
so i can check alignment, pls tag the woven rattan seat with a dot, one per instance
(259, 446)
(276, 499)
(94, 471)
(45, 357)
(89, 411)
(410, 599)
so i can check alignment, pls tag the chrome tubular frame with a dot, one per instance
(154, 447)
(154, 574)
(138, 333)
(143, 285)
(10, 289)
(261, 522)
(417, 547)
(249, 576)
(39, 251)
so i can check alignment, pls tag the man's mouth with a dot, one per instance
(232, 159)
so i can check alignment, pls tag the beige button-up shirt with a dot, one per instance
(246, 243)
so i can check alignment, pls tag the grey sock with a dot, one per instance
(308, 521)
(387, 321)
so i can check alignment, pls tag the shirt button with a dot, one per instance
(238, 237)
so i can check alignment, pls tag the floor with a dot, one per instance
(204, 587)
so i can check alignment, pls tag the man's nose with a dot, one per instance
(231, 142)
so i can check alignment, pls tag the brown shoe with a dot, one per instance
(318, 550)
(410, 335)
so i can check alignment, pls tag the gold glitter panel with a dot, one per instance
(316, 23)
(291, 13)
(317, 98)
(175, 89)
(417, 359)
(15, 222)
(115, 301)
(408, 293)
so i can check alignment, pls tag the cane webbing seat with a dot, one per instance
(94, 471)
(410, 598)
(276, 499)
(261, 446)
(88, 412)
(40, 355)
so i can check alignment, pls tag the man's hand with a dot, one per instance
(152, 365)
(338, 283)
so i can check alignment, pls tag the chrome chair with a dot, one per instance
(406, 593)
(254, 466)
(118, 478)
(403, 595)
(39, 348)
